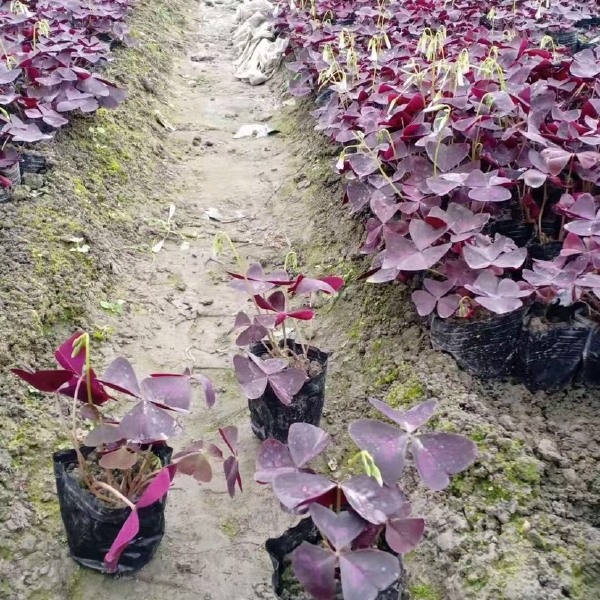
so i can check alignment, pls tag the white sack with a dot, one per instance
(258, 51)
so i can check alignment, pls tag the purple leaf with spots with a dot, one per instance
(305, 442)
(386, 444)
(438, 455)
(339, 529)
(373, 502)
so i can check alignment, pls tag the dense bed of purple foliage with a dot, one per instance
(470, 136)
(50, 50)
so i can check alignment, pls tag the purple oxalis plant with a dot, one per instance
(271, 358)
(122, 447)
(365, 519)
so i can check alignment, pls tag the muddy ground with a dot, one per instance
(520, 525)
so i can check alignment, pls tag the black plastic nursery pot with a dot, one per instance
(551, 347)
(92, 526)
(33, 163)
(590, 371)
(545, 251)
(12, 173)
(286, 587)
(270, 418)
(520, 233)
(486, 347)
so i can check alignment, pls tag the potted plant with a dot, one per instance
(281, 374)
(112, 485)
(350, 545)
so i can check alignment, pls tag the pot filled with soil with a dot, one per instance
(112, 486)
(285, 584)
(269, 416)
(93, 525)
(485, 347)
(33, 163)
(551, 346)
(281, 375)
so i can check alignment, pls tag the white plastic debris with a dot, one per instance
(258, 50)
(254, 130)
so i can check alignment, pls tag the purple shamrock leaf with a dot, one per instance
(294, 490)
(498, 295)
(386, 444)
(365, 573)
(502, 253)
(403, 534)
(173, 392)
(436, 455)
(146, 423)
(374, 503)
(436, 296)
(255, 281)
(587, 217)
(314, 567)
(305, 442)
(120, 376)
(254, 374)
(339, 529)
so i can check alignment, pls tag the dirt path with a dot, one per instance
(181, 309)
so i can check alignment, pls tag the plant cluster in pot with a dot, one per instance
(350, 545)
(282, 376)
(466, 148)
(112, 485)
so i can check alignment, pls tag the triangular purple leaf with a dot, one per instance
(438, 455)
(305, 442)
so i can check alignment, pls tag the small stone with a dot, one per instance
(208, 302)
(183, 566)
(196, 141)
(570, 476)
(228, 114)
(209, 143)
(27, 544)
(506, 422)
(34, 181)
(148, 85)
(536, 539)
(447, 541)
(547, 450)
(20, 193)
(181, 287)
(503, 516)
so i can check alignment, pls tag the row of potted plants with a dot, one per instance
(471, 152)
(112, 485)
(50, 52)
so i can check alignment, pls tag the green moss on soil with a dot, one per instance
(424, 591)
(230, 528)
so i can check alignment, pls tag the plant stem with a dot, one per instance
(116, 493)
